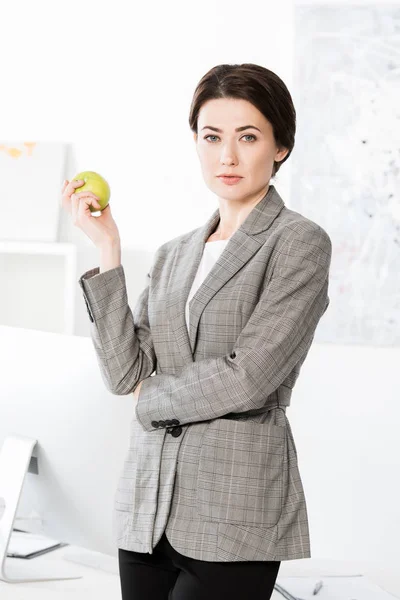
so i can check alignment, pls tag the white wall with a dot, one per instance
(116, 82)
(345, 415)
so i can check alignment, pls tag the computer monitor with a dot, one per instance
(51, 389)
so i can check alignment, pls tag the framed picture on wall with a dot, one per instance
(31, 176)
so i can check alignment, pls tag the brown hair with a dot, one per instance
(258, 85)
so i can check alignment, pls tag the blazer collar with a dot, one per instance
(242, 245)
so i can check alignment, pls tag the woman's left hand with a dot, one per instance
(137, 391)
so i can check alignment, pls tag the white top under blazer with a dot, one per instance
(212, 250)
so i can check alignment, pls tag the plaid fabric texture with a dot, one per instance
(224, 481)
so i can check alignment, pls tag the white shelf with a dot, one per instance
(30, 288)
(11, 247)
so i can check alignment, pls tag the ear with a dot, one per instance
(195, 136)
(280, 155)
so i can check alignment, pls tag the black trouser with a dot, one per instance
(168, 575)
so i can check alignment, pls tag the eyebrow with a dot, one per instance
(237, 129)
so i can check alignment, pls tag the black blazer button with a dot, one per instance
(176, 432)
(174, 422)
(168, 422)
(233, 355)
(161, 423)
(154, 423)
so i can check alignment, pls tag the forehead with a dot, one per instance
(231, 112)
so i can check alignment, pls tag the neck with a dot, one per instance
(233, 214)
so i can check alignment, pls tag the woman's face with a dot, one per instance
(249, 153)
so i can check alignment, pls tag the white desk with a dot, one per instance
(95, 583)
(100, 584)
(385, 576)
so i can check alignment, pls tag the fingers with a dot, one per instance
(80, 205)
(74, 208)
(68, 188)
(72, 185)
(77, 204)
(65, 201)
(90, 197)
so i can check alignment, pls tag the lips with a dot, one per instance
(231, 180)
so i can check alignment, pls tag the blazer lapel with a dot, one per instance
(242, 245)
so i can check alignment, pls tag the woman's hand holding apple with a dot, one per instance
(102, 230)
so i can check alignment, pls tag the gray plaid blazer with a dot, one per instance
(211, 457)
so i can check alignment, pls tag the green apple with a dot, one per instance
(96, 184)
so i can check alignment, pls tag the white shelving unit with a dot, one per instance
(36, 279)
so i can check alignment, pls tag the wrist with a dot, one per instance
(110, 244)
(110, 256)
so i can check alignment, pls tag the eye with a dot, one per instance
(208, 136)
(250, 135)
(215, 136)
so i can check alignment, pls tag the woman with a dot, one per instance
(210, 500)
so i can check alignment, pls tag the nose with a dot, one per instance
(228, 156)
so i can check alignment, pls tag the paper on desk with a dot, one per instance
(334, 588)
(22, 544)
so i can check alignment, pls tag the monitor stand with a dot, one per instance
(15, 458)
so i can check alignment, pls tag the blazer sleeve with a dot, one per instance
(276, 337)
(122, 339)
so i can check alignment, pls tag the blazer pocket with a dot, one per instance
(240, 472)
